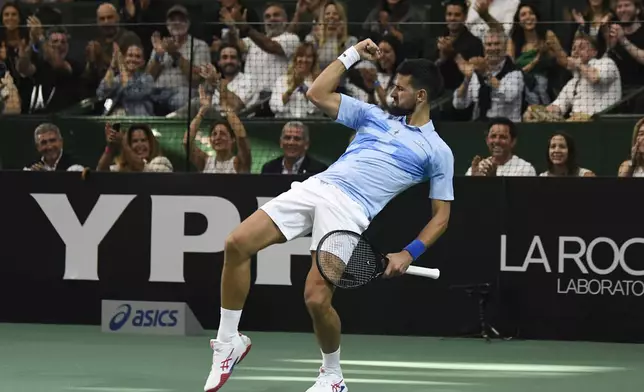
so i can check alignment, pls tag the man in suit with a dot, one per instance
(49, 143)
(295, 144)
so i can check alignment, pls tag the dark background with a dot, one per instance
(523, 305)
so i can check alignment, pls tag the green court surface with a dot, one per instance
(39, 358)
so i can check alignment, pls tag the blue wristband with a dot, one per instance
(416, 248)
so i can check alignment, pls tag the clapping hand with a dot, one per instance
(210, 74)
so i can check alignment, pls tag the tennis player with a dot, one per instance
(390, 153)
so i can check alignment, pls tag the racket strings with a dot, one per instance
(347, 260)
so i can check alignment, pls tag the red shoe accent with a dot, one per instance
(223, 380)
(225, 377)
(245, 353)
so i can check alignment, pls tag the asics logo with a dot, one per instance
(225, 364)
(337, 387)
(120, 318)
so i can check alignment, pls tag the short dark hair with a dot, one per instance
(231, 46)
(503, 121)
(425, 75)
(458, 3)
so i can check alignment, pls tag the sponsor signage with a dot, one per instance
(561, 264)
(582, 267)
(150, 318)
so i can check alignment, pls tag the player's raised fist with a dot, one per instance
(368, 50)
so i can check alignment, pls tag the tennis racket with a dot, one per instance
(348, 260)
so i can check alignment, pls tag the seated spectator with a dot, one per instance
(9, 95)
(501, 141)
(595, 86)
(130, 90)
(49, 143)
(307, 13)
(399, 18)
(594, 21)
(267, 56)
(330, 35)
(288, 98)
(13, 37)
(626, 46)
(295, 143)
(493, 84)
(377, 82)
(562, 158)
(241, 87)
(175, 58)
(138, 151)
(55, 79)
(99, 51)
(634, 167)
(223, 137)
(532, 48)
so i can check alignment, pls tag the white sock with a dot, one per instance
(228, 325)
(331, 361)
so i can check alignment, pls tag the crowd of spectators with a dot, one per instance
(498, 58)
(501, 64)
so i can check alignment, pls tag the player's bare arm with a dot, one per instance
(322, 93)
(399, 262)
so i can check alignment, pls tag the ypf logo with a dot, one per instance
(120, 318)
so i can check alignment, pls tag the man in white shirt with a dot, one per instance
(241, 87)
(267, 55)
(596, 84)
(493, 84)
(501, 141)
(172, 60)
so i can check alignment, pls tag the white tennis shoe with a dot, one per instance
(329, 381)
(224, 359)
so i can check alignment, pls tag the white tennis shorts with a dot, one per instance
(316, 208)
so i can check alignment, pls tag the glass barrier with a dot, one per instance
(231, 95)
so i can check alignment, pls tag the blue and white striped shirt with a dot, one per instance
(387, 156)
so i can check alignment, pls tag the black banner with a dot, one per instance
(564, 257)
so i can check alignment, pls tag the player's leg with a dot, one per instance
(281, 219)
(254, 234)
(230, 347)
(318, 295)
(336, 211)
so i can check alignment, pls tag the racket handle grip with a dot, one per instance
(431, 273)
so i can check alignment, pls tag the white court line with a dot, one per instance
(403, 373)
(348, 380)
(118, 389)
(501, 367)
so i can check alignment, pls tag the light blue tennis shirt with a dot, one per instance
(387, 157)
